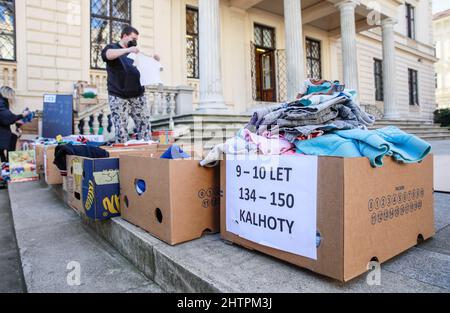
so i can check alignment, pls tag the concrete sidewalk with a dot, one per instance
(10, 267)
(441, 151)
(50, 235)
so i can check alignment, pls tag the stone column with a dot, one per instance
(211, 90)
(348, 34)
(294, 47)
(389, 69)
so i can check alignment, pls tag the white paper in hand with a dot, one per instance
(149, 68)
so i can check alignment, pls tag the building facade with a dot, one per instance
(441, 28)
(235, 54)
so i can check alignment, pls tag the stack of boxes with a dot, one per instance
(362, 214)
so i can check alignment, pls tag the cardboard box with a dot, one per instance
(364, 214)
(74, 182)
(115, 152)
(52, 173)
(22, 165)
(39, 151)
(82, 104)
(179, 201)
(101, 188)
(31, 128)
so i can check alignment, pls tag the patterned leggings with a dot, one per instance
(138, 109)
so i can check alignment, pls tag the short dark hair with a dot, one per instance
(128, 30)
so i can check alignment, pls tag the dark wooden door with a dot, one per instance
(265, 75)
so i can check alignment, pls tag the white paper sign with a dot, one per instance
(149, 68)
(273, 202)
(50, 98)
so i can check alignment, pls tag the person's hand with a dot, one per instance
(133, 50)
(156, 57)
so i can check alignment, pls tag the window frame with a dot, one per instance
(311, 59)
(410, 21)
(378, 74)
(110, 20)
(14, 36)
(268, 28)
(196, 49)
(413, 87)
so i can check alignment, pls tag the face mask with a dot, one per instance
(132, 43)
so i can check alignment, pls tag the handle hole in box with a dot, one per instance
(420, 239)
(140, 186)
(125, 200)
(159, 215)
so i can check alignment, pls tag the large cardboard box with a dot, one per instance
(174, 200)
(364, 214)
(52, 173)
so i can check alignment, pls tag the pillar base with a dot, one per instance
(391, 116)
(212, 108)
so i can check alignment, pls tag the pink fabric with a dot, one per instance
(269, 146)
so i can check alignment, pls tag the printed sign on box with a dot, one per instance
(23, 166)
(274, 203)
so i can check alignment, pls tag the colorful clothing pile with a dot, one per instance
(325, 120)
(321, 107)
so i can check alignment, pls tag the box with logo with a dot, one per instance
(174, 200)
(334, 217)
(101, 188)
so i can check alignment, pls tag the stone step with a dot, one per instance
(412, 126)
(435, 137)
(207, 264)
(209, 141)
(52, 239)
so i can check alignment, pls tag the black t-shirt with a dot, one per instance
(124, 79)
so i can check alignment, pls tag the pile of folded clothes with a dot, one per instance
(325, 120)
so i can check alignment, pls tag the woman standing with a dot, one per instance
(8, 140)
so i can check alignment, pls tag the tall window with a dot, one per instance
(108, 17)
(192, 43)
(7, 30)
(413, 87)
(378, 77)
(313, 60)
(264, 54)
(410, 21)
(264, 36)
